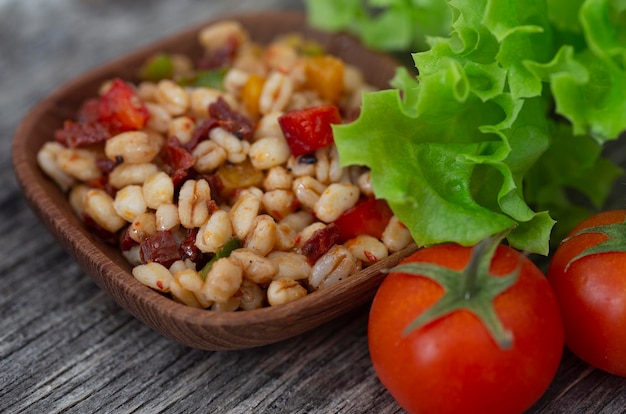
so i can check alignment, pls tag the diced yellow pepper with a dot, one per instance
(325, 75)
(251, 92)
(238, 176)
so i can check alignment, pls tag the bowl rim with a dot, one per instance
(115, 278)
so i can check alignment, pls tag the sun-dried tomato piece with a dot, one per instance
(201, 133)
(106, 236)
(102, 183)
(161, 248)
(220, 57)
(320, 242)
(231, 120)
(188, 248)
(75, 134)
(177, 158)
(221, 115)
(217, 190)
(127, 242)
(105, 165)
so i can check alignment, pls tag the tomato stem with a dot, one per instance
(473, 289)
(468, 287)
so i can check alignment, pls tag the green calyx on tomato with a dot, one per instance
(453, 364)
(615, 242)
(474, 289)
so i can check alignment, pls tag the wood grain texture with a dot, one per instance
(66, 346)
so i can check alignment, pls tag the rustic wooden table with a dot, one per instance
(67, 347)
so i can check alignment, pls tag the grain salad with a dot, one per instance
(218, 178)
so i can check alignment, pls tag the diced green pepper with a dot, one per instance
(206, 78)
(159, 66)
(232, 244)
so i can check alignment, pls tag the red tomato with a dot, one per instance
(121, 109)
(309, 129)
(453, 364)
(592, 292)
(370, 216)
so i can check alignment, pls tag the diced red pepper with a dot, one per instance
(121, 109)
(369, 216)
(309, 129)
(118, 110)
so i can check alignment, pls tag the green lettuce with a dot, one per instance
(505, 120)
(383, 24)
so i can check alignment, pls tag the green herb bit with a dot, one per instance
(312, 49)
(304, 46)
(232, 244)
(158, 67)
(213, 78)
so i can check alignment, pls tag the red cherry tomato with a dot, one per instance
(309, 129)
(592, 290)
(121, 109)
(452, 364)
(369, 216)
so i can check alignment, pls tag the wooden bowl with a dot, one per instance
(196, 328)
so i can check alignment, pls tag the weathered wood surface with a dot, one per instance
(67, 347)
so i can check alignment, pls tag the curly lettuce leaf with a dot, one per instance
(451, 173)
(471, 146)
(383, 24)
(589, 178)
(587, 78)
